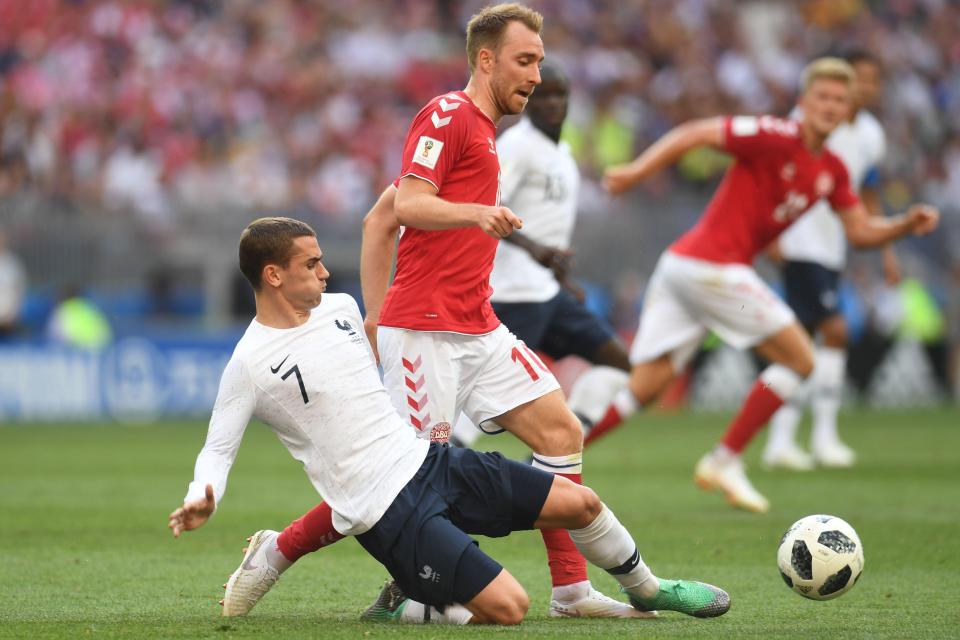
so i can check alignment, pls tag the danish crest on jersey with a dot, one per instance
(427, 151)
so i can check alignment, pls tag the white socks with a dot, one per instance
(593, 391)
(418, 613)
(275, 557)
(828, 377)
(625, 403)
(781, 380)
(824, 391)
(783, 427)
(571, 593)
(572, 463)
(607, 544)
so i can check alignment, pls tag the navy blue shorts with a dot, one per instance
(423, 538)
(559, 327)
(812, 291)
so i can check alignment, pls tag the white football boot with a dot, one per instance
(597, 605)
(253, 578)
(721, 471)
(833, 453)
(789, 457)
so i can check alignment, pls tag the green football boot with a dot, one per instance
(388, 606)
(692, 598)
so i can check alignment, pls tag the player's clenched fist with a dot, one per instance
(498, 222)
(923, 218)
(618, 178)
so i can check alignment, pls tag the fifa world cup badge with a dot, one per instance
(427, 145)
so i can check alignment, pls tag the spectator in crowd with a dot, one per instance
(77, 322)
(175, 115)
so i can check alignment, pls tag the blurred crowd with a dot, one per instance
(160, 107)
(159, 115)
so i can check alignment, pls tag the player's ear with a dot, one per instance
(485, 59)
(271, 276)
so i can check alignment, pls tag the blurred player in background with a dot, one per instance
(814, 252)
(705, 280)
(442, 348)
(305, 369)
(532, 293)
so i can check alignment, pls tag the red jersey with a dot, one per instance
(442, 281)
(773, 181)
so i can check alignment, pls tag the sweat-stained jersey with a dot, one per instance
(818, 236)
(442, 277)
(317, 387)
(774, 179)
(540, 183)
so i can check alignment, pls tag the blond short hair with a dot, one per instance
(827, 68)
(485, 29)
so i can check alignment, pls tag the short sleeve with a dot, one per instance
(752, 136)
(435, 141)
(842, 197)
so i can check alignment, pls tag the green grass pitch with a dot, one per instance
(85, 553)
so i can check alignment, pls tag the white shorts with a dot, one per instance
(432, 376)
(688, 297)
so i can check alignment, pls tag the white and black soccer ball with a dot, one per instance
(820, 557)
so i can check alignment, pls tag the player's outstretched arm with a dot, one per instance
(664, 152)
(418, 205)
(193, 513)
(377, 252)
(865, 231)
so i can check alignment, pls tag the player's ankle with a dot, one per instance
(649, 588)
(570, 593)
(275, 557)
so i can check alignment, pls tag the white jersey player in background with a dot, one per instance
(532, 293)
(814, 255)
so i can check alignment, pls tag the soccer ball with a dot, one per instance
(820, 557)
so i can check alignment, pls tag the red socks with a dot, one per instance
(567, 566)
(610, 420)
(757, 409)
(310, 532)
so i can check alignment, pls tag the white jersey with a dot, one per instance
(540, 182)
(317, 387)
(818, 236)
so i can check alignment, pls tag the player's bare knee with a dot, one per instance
(516, 610)
(834, 331)
(592, 506)
(508, 610)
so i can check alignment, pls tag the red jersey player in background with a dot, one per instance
(442, 349)
(705, 280)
